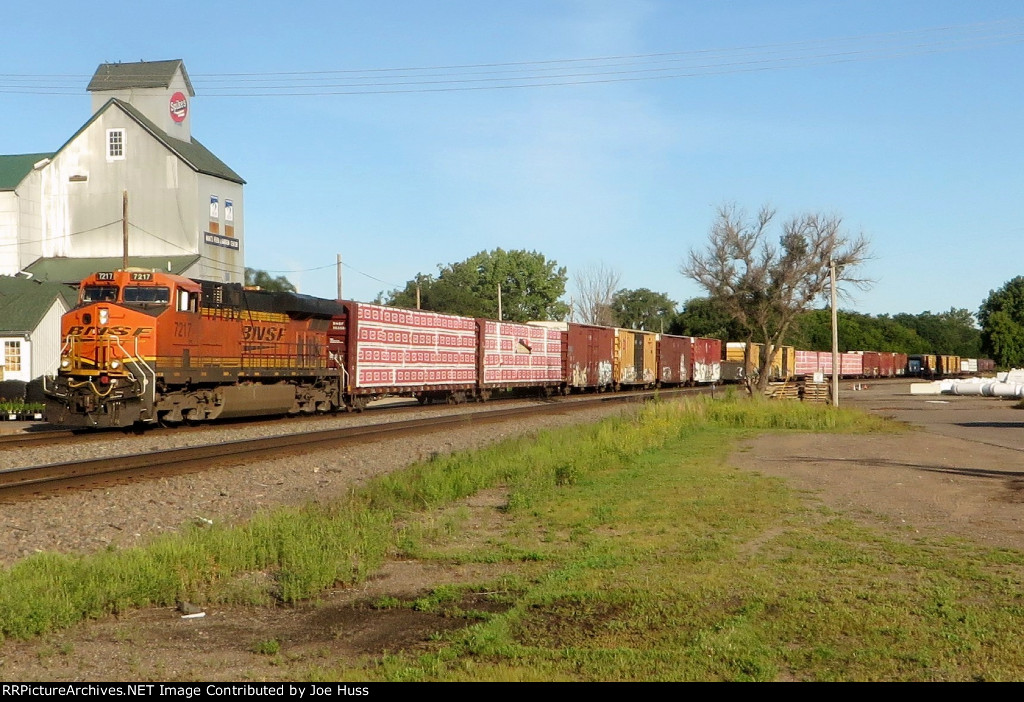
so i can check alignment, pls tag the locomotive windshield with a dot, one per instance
(99, 293)
(158, 294)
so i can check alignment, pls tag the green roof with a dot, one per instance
(145, 74)
(74, 270)
(13, 169)
(24, 302)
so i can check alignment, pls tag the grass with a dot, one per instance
(634, 551)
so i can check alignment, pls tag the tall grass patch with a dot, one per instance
(666, 563)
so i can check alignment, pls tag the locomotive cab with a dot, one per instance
(107, 373)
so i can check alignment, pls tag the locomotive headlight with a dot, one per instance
(104, 315)
(65, 362)
(114, 365)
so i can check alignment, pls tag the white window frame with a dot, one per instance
(116, 149)
(12, 356)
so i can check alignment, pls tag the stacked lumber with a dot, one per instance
(817, 392)
(788, 390)
(799, 390)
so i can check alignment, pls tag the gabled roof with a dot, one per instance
(24, 302)
(197, 156)
(73, 270)
(13, 169)
(191, 152)
(144, 74)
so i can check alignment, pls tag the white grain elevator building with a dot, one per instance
(185, 205)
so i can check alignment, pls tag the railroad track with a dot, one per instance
(38, 480)
(46, 437)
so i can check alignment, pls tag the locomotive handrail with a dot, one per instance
(138, 360)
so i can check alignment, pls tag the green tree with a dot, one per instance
(764, 285)
(953, 332)
(531, 287)
(265, 281)
(701, 316)
(643, 309)
(1002, 324)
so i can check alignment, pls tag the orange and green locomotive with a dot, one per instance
(144, 346)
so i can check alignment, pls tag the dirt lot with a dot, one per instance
(961, 473)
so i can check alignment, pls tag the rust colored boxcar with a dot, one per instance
(886, 364)
(675, 359)
(706, 360)
(590, 357)
(899, 364)
(872, 363)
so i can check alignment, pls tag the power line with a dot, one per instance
(574, 71)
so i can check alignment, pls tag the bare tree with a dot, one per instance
(595, 284)
(766, 285)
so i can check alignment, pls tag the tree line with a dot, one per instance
(767, 281)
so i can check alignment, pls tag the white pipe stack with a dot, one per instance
(1009, 384)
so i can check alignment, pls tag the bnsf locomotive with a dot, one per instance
(145, 347)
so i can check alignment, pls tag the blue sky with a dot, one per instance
(355, 131)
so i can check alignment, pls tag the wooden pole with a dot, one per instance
(835, 335)
(124, 230)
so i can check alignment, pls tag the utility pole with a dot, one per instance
(499, 302)
(835, 334)
(124, 230)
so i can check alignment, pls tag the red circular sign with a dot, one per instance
(179, 107)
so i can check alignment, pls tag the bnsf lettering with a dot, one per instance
(254, 333)
(79, 330)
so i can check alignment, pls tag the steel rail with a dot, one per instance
(56, 475)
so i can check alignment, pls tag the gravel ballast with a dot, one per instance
(87, 520)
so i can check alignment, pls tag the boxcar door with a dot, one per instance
(638, 356)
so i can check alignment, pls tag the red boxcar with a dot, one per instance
(706, 360)
(590, 355)
(675, 359)
(899, 364)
